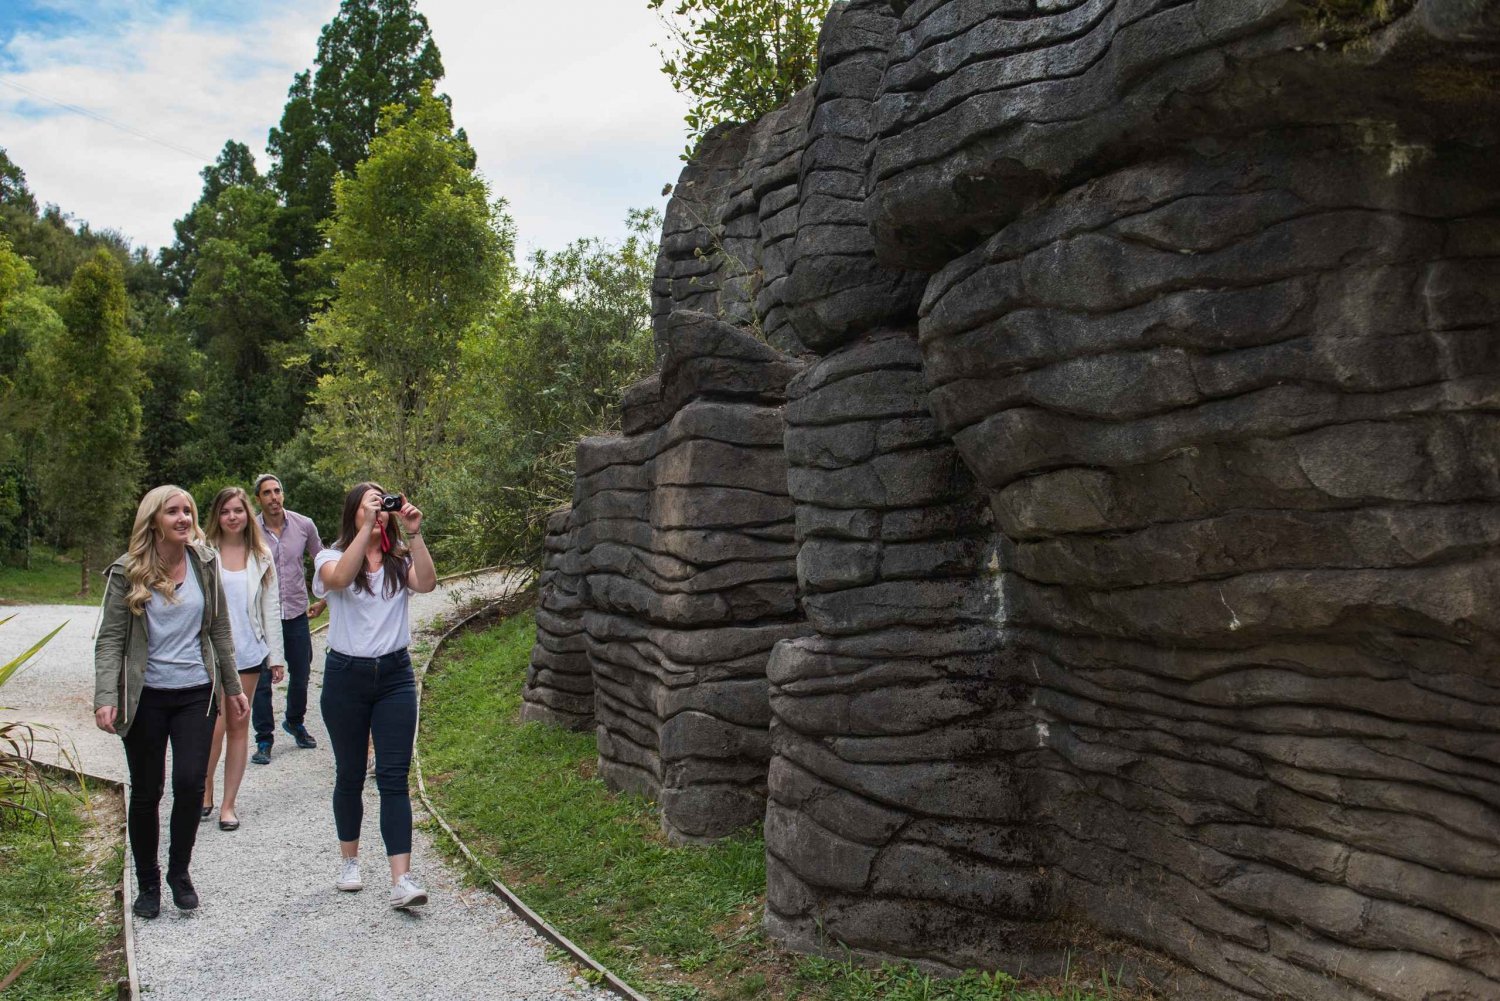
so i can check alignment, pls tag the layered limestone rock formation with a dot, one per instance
(682, 540)
(559, 680)
(1143, 456)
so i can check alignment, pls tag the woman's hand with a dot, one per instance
(368, 514)
(411, 518)
(104, 718)
(278, 671)
(239, 707)
(423, 577)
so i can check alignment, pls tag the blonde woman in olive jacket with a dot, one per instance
(163, 653)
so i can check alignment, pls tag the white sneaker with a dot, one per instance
(349, 876)
(407, 893)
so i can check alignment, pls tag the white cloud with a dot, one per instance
(186, 83)
(568, 112)
(570, 116)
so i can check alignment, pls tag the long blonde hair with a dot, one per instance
(252, 537)
(144, 568)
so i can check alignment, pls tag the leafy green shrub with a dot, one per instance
(547, 370)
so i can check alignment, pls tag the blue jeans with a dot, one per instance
(296, 638)
(367, 698)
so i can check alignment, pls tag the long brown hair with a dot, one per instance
(250, 535)
(394, 560)
(143, 566)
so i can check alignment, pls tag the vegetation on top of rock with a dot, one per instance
(738, 59)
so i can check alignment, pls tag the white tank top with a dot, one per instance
(249, 648)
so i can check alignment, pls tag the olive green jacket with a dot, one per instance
(120, 648)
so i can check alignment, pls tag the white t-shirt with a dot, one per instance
(360, 624)
(249, 648)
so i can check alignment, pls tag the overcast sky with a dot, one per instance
(564, 102)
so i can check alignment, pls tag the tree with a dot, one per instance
(738, 59)
(239, 313)
(302, 172)
(418, 255)
(15, 196)
(374, 53)
(90, 466)
(546, 370)
(235, 167)
(222, 349)
(179, 448)
(24, 315)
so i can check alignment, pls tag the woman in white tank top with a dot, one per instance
(254, 602)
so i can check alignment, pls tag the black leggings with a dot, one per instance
(183, 717)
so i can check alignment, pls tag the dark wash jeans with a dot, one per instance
(371, 698)
(180, 716)
(296, 638)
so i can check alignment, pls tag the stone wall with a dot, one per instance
(1144, 459)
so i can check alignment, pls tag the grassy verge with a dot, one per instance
(52, 580)
(57, 904)
(677, 923)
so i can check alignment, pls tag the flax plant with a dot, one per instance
(25, 788)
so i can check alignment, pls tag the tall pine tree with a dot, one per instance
(374, 53)
(235, 166)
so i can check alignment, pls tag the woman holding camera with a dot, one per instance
(163, 656)
(369, 691)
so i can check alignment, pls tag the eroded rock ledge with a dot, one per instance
(1066, 510)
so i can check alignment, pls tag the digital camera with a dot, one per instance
(392, 502)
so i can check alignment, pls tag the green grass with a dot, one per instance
(676, 922)
(58, 905)
(52, 580)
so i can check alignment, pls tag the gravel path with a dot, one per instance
(271, 924)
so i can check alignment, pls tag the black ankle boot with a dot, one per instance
(148, 900)
(183, 894)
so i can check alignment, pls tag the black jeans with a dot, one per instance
(296, 641)
(181, 716)
(367, 698)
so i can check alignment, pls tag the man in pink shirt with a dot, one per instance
(292, 538)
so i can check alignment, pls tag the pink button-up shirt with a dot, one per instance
(299, 538)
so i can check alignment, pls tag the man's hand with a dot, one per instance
(313, 611)
(104, 718)
(278, 671)
(239, 706)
